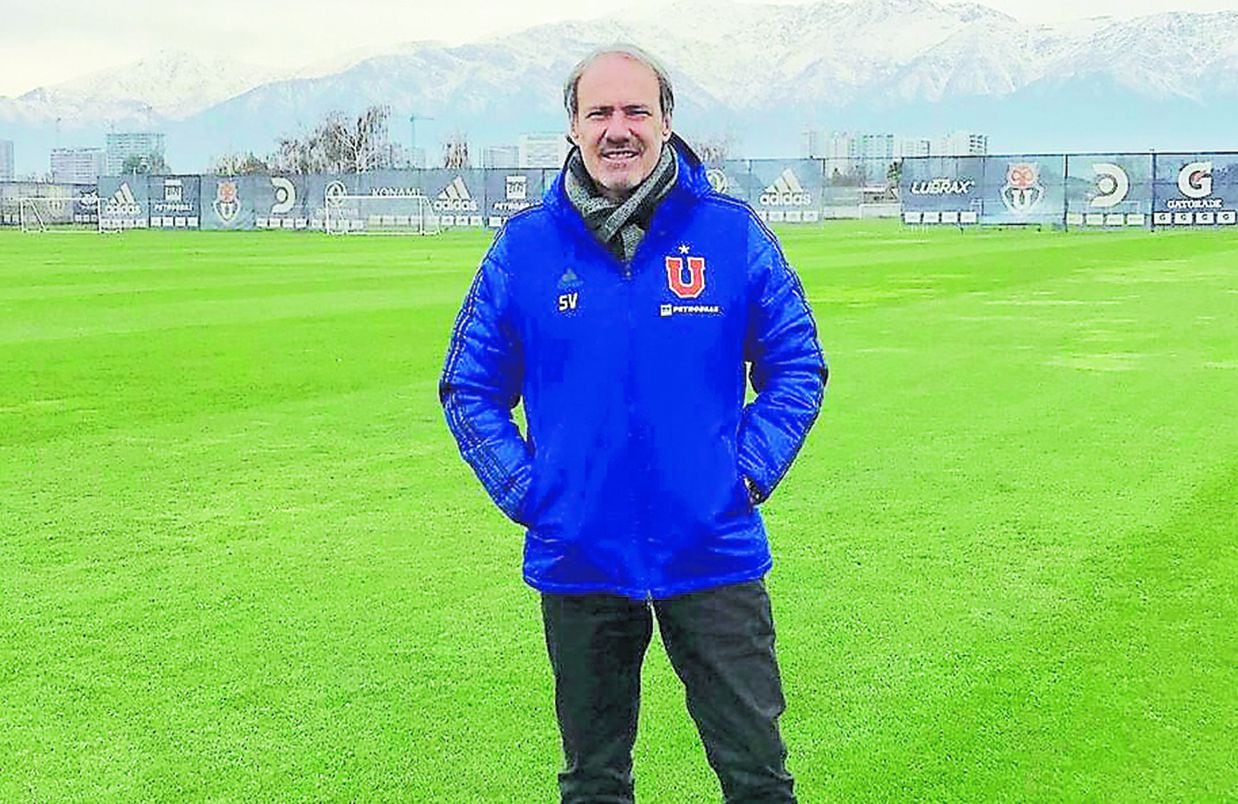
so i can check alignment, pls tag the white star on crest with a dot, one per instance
(683, 248)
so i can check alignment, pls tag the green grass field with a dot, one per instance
(241, 559)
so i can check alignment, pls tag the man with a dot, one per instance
(622, 311)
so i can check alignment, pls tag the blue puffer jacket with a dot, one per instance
(630, 481)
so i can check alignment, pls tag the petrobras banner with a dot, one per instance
(941, 189)
(123, 202)
(457, 196)
(1195, 190)
(281, 202)
(1023, 189)
(174, 201)
(510, 191)
(1109, 190)
(228, 201)
(785, 189)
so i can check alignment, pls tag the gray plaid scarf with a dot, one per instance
(619, 226)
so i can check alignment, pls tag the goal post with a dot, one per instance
(380, 215)
(59, 214)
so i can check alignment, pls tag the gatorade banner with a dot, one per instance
(785, 189)
(228, 201)
(281, 202)
(123, 202)
(510, 191)
(1195, 190)
(1109, 190)
(941, 189)
(174, 201)
(1023, 190)
(456, 195)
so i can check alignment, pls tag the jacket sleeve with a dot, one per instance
(480, 386)
(788, 373)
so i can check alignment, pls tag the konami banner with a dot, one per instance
(1109, 190)
(1198, 189)
(228, 201)
(123, 202)
(174, 201)
(456, 195)
(941, 189)
(1023, 190)
(510, 191)
(785, 189)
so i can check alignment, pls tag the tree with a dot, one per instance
(338, 144)
(236, 164)
(140, 164)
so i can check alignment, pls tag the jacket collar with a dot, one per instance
(689, 186)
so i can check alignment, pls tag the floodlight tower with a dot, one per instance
(412, 127)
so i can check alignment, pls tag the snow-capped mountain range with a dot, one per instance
(759, 74)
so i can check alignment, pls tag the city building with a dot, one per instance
(6, 160)
(78, 165)
(543, 150)
(961, 143)
(121, 146)
(501, 156)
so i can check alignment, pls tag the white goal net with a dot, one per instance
(380, 215)
(40, 214)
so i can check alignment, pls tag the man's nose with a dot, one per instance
(616, 129)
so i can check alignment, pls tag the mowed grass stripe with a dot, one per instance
(238, 568)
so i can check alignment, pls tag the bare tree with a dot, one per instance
(456, 152)
(339, 144)
(237, 164)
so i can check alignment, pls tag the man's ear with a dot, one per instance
(666, 129)
(572, 134)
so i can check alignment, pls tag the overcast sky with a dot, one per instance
(44, 42)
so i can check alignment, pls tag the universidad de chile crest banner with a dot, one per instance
(1024, 190)
(228, 201)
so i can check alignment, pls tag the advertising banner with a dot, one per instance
(228, 201)
(941, 189)
(318, 186)
(1024, 190)
(281, 202)
(730, 178)
(510, 191)
(174, 201)
(785, 189)
(123, 202)
(456, 195)
(1195, 190)
(1109, 190)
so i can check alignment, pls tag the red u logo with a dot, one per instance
(695, 283)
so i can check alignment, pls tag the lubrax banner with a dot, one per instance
(1075, 190)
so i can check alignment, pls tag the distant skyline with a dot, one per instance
(59, 40)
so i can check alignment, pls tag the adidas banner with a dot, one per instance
(1109, 190)
(228, 201)
(456, 195)
(941, 189)
(785, 189)
(1199, 189)
(174, 201)
(123, 202)
(510, 191)
(1023, 190)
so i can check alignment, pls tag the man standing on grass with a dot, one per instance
(623, 310)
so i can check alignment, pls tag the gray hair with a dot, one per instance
(666, 94)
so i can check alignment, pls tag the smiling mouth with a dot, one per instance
(619, 155)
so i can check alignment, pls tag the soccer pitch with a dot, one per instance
(241, 559)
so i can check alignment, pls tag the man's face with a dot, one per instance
(618, 124)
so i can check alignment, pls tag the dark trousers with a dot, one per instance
(721, 644)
